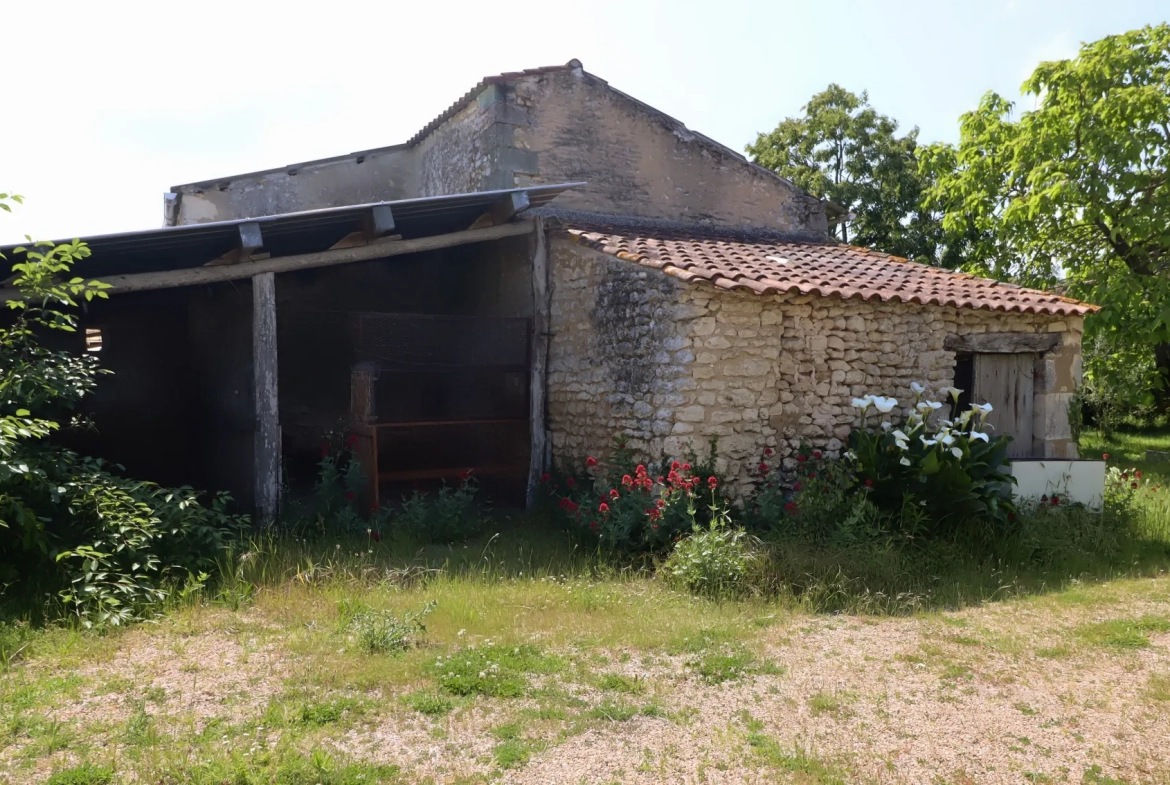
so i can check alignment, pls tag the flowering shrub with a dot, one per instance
(824, 500)
(950, 467)
(451, 515)
(715, 561)
(633, 512)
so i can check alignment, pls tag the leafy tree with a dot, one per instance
(843, 150)
(1076, 192)
(111, 547)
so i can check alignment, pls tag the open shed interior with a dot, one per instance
(442, 337)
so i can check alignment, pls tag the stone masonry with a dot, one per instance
(669, 365)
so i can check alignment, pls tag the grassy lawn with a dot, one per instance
(518, 659)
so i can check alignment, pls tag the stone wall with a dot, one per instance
(670, 365)
(635, 160)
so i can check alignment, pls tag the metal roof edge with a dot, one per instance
(205, 185)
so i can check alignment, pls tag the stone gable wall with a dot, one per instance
(670, 365)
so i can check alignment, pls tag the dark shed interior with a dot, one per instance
(446, 333)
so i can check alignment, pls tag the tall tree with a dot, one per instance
(1077, 189)
(843, 150)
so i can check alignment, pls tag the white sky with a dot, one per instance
(108, 104)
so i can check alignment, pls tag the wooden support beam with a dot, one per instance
(248, 242)
(509, 205)
(1002, 343)
(376, 225)
(538, 364)
(196, 276)
(264, 368)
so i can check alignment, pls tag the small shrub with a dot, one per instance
(514, 752)
(450, 515)
(382, 632)
(625, 509)
(716, 562)
(613, 712)
(85, 774)
(615, 682)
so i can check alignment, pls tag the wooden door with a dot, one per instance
(1005, 381)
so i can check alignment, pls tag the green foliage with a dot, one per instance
(1077, 187)
(843, 150)
(430, 703)
(85, 774)
(952, 469)
(382, 632)
(450, 515)
(624, 509)
(110, 547)
(316, 715)
(492, 670)
(714, 561)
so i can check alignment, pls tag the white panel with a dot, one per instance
(1073, 481)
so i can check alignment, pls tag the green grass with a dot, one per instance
(805, 767)
(496, 671)
(1123, 633)
(430, 703)
(85, 774)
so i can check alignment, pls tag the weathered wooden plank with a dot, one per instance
(1006, 381)
(171, 279)
(264, 366)
(538, 367)
(1002, 343)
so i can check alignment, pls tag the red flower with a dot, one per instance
(661, 480)
(801, 458)
(767, 452)
(375, 535)
(351, 441)
(1055, 501)
(1133, 485)
(373, 506)
(661, 503)
(603, 508)
(869, 483)
(349, 495)
(593, 525)
(712, 482)
(686, 467)
(654, 526)
(640, 470)
(627, 480)
(590, 462)
(466, 475)
(613, 493)
(674, 467)
(817, 454)
(545, 477)
(791, 508)
(570, 482)
(324, 450)
(1137, 474)
(762, 468)
(1104, 456)
(813, 476)
(797, 487)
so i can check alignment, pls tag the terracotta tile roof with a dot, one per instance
(768, 266)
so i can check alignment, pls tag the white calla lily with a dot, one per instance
(921, 406)
(886, 426)
(954, 392)
(955, 451)
(947, 440)
(982, 409)
(934, 405)
(900, 436)
(917, 388)
(905, 461)
(928, 442)
(979, 435)
(884, 405)
(862, 403)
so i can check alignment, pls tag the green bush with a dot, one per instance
(382, 632)
(107, 547)
(951, 468)
(450, 515)
(625, 509)
(717, 561)
(85, 774)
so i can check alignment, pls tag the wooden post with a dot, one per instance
(538, 368)
(264, 367)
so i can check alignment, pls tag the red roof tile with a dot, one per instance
(826, 269)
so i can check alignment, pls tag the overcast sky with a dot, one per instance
(109, 104)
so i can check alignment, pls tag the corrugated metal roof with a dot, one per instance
(193, 245)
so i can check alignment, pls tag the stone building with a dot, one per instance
(548, 264)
